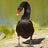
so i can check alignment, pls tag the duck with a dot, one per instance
(24, 26)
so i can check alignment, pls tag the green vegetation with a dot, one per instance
(39, 12)
(7, 31)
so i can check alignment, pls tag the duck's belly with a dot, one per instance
(24, 29)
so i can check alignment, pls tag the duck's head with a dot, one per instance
(27, 9)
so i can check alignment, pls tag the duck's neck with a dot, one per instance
(27, 11)
(26, 14)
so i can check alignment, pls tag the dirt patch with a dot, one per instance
(40, 40)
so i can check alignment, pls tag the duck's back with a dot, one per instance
(25, 28)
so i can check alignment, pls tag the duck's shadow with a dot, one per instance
(34, 41)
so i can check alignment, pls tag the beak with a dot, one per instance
(18, 12)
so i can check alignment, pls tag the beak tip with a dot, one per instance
(17, 14)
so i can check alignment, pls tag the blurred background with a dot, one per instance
(39, 13)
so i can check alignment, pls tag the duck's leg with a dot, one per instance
(18, 40)
(19, 45)
(31, 41)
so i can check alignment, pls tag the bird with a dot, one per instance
(24, 26)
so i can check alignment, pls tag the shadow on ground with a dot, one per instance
(34, 41)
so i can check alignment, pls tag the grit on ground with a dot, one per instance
(40, 39)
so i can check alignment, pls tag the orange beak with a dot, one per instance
(18, 12)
